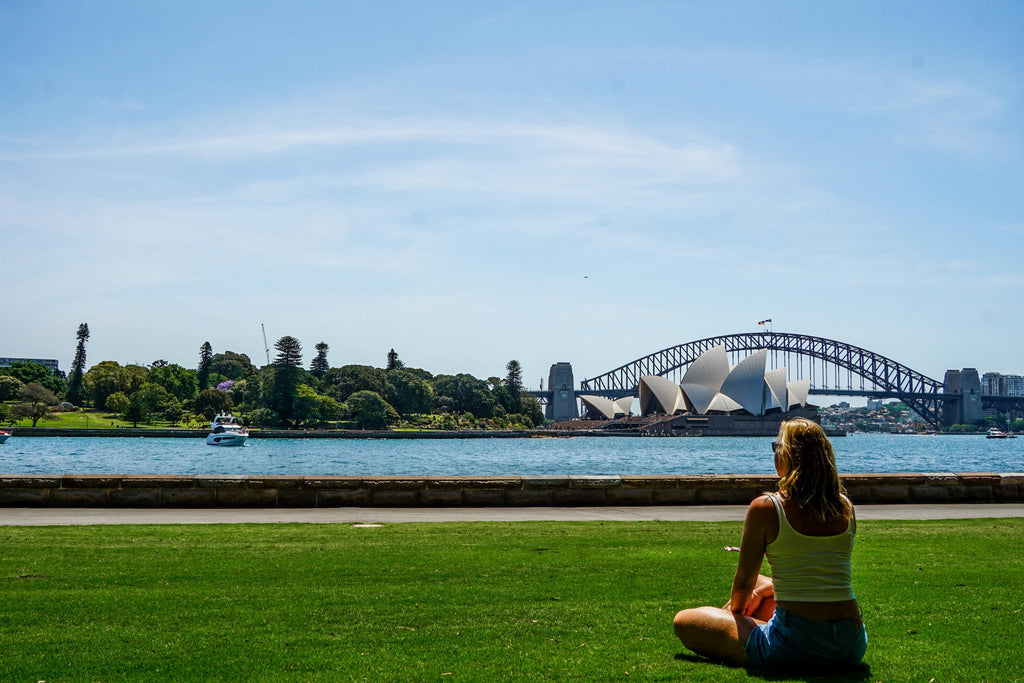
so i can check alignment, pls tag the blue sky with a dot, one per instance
(474, 182)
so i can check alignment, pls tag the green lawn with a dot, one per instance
(469, 602)
(91, 419)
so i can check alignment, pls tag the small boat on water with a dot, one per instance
(4, 435)
(225, 431)
(996, 433)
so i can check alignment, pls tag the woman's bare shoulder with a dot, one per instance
(761, 507)
(762, 520)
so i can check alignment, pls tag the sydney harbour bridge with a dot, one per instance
(834, 368)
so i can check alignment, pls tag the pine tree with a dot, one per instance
(286, 378)
(205, 359)
(393, 362)
(514, 385)
(318, 367)
(74, 393)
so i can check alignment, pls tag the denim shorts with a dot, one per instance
(792, 641)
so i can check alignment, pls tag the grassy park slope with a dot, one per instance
(85, 419)
(469, 602)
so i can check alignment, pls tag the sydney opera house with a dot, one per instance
(713, 397)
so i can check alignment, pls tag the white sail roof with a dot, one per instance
(599, 407)
(624, 405)
(704, 378)
(798, 390)
(775, 383)
(724, 403)
(710, 369)
(698, 397)
(746, 381)
(658, 393)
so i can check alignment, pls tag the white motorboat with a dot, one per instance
(225, 431)
(4, 435)
(994, 433)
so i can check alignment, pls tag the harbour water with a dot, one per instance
(859, 453)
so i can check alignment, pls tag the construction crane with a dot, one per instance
(265, 347)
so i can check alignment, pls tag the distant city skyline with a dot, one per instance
(470, 183)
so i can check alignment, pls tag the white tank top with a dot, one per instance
(810, 568)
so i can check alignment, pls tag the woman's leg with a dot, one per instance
(765, 610)
(714, 632)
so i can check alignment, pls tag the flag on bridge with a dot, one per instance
(766, 320)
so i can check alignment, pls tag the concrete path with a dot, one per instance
(709, 513)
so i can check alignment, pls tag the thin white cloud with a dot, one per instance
(361, 171)
(699, 159)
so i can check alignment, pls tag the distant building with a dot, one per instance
(874, 404)
(996, 384)
(992, 384)
(48, 363)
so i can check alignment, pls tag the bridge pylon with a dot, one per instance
(562, 405)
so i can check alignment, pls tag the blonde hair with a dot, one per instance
(807, 466)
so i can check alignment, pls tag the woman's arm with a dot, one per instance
(756, 526)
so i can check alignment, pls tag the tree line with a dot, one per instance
(283, 394)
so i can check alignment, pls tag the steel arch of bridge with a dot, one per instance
(821, 359)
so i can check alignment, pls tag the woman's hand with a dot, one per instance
(762, 599)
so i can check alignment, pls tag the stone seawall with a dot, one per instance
(251, 491)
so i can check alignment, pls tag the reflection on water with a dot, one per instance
(577, 455)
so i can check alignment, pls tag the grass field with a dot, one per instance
(88, 419)
(470, 602)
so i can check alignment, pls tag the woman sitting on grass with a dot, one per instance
(805, 615)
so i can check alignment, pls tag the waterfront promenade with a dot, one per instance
(691, 513)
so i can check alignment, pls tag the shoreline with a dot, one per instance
(177, 433)
(174, 433)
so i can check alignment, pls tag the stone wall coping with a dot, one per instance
(222, 481)
(331, 482)
(589, 481)
(533, 481)
(91, 481)
(35, 481)
(476, 482)
(157, 481)
(393, 483)
(241, 490)
(650, 481)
